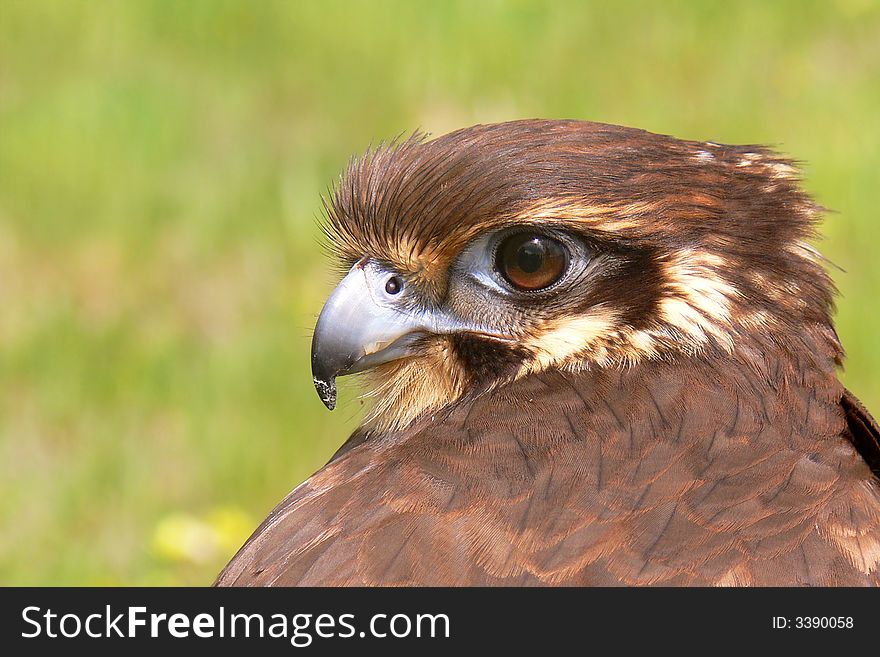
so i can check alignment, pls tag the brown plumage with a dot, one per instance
(666, 412)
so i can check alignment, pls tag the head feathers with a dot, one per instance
(707, 244)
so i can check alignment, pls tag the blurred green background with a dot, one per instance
(161, 165)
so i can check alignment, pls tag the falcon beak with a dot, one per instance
(363, 325)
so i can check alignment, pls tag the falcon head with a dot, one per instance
(499, 251)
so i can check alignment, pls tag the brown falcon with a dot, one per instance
(598, 356)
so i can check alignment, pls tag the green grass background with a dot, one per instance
(161, 165)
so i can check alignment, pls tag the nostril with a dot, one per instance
(394, 285)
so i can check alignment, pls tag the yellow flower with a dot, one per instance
(199, 540)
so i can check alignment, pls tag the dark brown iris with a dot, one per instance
(529, 261)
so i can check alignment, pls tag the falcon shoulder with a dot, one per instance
(863, 430)
(729, 473)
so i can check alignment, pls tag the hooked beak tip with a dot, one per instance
(326, 391)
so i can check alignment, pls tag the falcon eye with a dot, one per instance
(530, 261)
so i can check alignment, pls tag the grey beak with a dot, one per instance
(361, 326)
